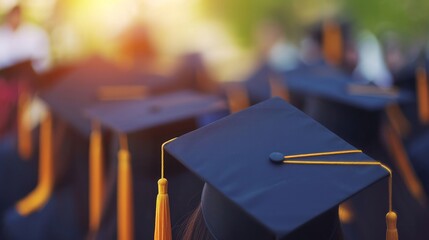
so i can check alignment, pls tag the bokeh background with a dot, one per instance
(222, 30)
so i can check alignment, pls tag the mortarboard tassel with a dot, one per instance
(238, 98)
(422, 94)
(40, 195)
(278, 89)
(332, 42)
(96, 187)
(346, 213)
(125, 193)
(25, 147)
(392, 231)
(404, 167)
(391, 216)
(162, 213)
(398, 120)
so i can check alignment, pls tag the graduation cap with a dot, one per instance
(332, 84)
(272, 172)
(125, 118)
(322, 81)
(78, 86)
(93, 81)
(67, 99)
(413, 77)
(349, 108)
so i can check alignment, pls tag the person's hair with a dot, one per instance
(195, 227)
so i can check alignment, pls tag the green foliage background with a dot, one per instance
(408, 18)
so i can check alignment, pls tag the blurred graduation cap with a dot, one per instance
(78, 86)
(15, 95)
(256, 185)
(93, 81)
(128, 118)
(359, 113)
(332, 84)
(326, 82)
(414, 77)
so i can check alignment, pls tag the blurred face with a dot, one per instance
(14, 18)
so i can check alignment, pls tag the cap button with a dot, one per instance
(277, 157)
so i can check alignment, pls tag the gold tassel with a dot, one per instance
(25, 145)
(162, 212)
(40, 195)
(162, 215)
(332, 42)
(278, 89)
(238, 98)
(392, 231)
(391, 217)
(96, 177)
(125, 192)
(346, 213)
(403, 164)
(422, 94)
(398, 120)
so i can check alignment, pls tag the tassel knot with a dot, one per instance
(162, 186)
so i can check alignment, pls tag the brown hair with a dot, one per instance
(195, 227)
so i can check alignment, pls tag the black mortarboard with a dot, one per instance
(329, 83)
(358, 113)
(250, 196)
(93, 81)
(332, 97)
(129, 119)
(78, 86)
(325, 82)
(136, 115)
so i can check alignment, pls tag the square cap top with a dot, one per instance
(135, 115)
(232, 157)
(324, 81)
(80, 88)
